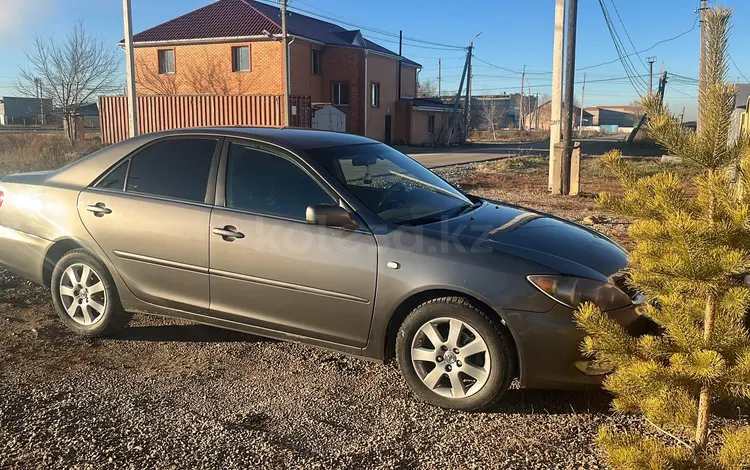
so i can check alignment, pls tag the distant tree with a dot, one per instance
(427, 88)
(73, 72)
(491, 116)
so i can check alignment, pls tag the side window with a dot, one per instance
(175, 168)
(269, 184)
(116, 178)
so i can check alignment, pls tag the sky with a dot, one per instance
(514, 34)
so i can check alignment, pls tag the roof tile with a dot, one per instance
(225, 18)
(242, 18)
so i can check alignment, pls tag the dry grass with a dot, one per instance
(509, 136)
(523, 181)
(30, 151)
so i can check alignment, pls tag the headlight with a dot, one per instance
(573, 291)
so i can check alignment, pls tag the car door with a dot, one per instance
(271, 269)
(150, 215)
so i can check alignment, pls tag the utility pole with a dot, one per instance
(702, 69)
(40, 94)
(583, 97)
(467, 102)
(570, 76)
(528, 104)
(440, 79)
(521, 123)
(127, 17)
(557, 84)
(682, 116)
(287, 71)
(400, 51)
(452, 123)
(651, 61)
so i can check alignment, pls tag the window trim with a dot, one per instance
(431, 118)
(312, 61)
(349, 98)
(374, 85)
(174, 61)
(212, 174)
(295, 158)
(249, 57)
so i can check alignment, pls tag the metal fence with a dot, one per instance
(163, 112)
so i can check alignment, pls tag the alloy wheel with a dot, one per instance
(450, 357)
(83, 294)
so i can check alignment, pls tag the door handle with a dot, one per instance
(99, 209)
(228, 233)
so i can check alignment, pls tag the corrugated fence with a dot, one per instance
(163, 112)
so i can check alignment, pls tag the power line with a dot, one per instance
(626, 32)
(738, 69)
(627, 65)
(695, 24)
(680, 91)
(507, 69)
(332, 17)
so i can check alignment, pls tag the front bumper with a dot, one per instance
(549, 346)
(23, 254)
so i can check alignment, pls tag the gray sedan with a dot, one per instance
(332, 240)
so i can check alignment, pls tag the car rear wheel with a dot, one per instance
(85, 296)
(453, 355)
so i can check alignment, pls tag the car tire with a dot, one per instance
(85, 296)
(450, 374)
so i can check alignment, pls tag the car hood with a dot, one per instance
(558, 244)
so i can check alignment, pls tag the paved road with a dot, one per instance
(432, 158)
(443, 157)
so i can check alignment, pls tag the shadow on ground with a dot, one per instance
(554, 402)
(184, 334)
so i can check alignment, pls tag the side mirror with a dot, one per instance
(329, 215)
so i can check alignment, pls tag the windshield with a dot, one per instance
(391, 184)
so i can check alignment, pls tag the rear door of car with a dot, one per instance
(150, 215)
(279, 272)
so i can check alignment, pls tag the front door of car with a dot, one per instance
(150, 216)
(271, 269)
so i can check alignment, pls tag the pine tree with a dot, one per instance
(691, 259)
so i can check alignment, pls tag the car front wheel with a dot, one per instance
(453, 355)
(85, 296)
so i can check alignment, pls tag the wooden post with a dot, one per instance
(575, 169)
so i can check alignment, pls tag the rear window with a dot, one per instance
(116, 178)
(175, 168)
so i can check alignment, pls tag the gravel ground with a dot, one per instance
(168, 394)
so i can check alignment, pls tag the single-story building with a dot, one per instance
(621, 116)
(24, 111)
(539, 118)
(426, 121)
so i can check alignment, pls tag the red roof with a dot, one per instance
(221, 19)
(243, 18)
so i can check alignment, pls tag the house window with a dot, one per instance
(431, 124)
(375, 95)
(241, 59)
(315, 62)
(340, 94)
(166, 61)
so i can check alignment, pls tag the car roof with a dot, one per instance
(303, 139)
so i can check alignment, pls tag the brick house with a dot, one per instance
(233, 47)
